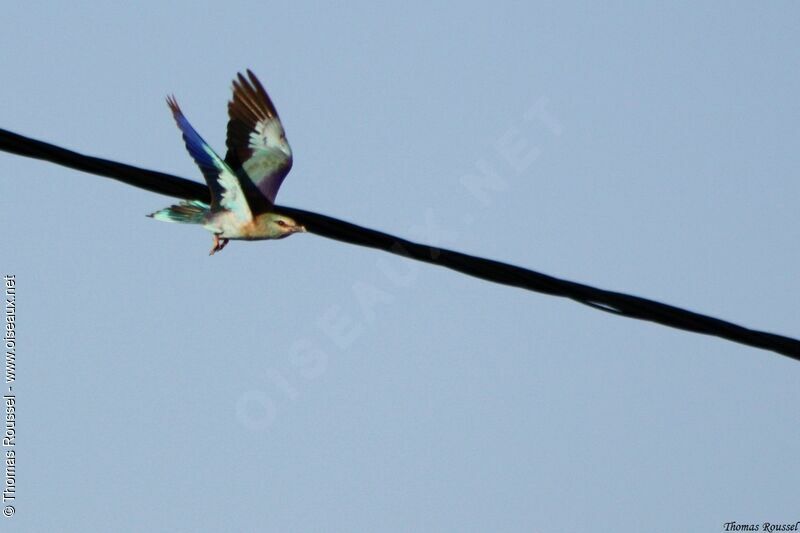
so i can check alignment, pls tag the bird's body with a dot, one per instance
(226, 224)
(262, 227)
(244, 185)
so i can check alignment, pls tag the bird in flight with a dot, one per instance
(243, 186)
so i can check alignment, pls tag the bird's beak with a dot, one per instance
(300, 229)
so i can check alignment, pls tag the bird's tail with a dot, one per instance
(187, 212)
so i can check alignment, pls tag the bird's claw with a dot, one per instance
(218, 244)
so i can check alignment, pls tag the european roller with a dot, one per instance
(243, 186)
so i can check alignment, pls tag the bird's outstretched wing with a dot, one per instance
(226, 192)
(257, 147)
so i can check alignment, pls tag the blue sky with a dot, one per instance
(308, 385)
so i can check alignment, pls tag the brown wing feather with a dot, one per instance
(250, 104)
(257, 148)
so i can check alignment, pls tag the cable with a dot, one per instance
(609, 301)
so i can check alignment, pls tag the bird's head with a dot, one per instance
(282, 226)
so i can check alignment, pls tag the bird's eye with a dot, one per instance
(282, 224)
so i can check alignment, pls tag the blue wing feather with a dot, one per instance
(224, 185)
(196, 147)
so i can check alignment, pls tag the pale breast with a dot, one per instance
(229, 226)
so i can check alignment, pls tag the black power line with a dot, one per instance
(332, 228)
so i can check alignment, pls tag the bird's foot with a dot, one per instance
(218, 244)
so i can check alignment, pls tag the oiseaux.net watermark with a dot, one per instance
(511, 155)
(9, 397)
